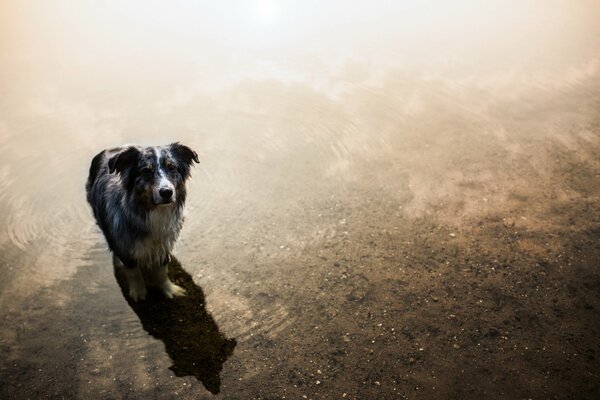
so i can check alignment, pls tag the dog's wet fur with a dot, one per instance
(137, 195)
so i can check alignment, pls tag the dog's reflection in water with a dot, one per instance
(190, 334)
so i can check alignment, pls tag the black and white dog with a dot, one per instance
(137, 195)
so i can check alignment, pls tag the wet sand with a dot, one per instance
(368, 221)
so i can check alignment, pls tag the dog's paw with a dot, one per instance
(171, 290)
(137, 292)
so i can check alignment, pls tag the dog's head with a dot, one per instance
(155, 176)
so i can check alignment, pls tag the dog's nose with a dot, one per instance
(166, 193)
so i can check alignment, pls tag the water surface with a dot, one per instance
(394, 200)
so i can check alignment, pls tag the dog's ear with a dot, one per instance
(123, 159)
(183, 153)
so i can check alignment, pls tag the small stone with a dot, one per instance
(453, 235)
(508, 222)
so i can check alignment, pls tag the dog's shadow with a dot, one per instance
(191, 336)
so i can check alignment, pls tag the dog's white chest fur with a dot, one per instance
(164, 225)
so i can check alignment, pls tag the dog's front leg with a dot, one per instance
(135, 279)
(168, 288)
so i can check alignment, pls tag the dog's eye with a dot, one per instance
(147, 171)
(171, 167)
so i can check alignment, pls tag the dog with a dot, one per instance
(137, 195)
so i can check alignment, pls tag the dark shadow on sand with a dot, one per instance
(190, 334)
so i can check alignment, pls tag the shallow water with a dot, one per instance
(393, 200)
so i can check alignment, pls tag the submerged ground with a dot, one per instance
(380, 211)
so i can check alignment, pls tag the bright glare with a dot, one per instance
(265, 11)
(154, 40)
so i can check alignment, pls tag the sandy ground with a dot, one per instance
(355, 230)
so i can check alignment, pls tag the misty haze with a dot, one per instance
(395, 200)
